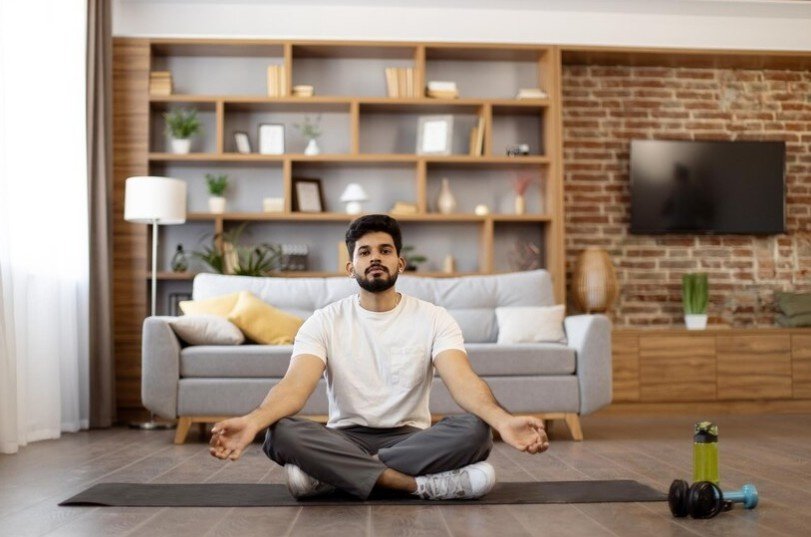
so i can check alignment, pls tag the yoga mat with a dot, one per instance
(256, 495)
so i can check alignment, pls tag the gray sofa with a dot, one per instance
(203, 384)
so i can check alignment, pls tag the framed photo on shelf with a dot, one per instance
(434, 135)
(271, 139)
(242, 142)
(307, 195)
(174, 303)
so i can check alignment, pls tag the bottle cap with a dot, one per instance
(705, 431)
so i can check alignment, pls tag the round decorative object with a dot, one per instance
(594, 282)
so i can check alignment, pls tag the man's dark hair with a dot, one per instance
(369, 224)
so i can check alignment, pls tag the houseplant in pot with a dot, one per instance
(695, 295)
(411, 259)
(311, 130)
(181, 125)
(217, 183)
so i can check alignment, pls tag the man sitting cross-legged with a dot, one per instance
(378, 350)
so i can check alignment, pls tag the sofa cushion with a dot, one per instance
(207, 330)
(471, 300)
(531, 324)
(220, 305)
(271, 361)
(248, 361)
(262, 322)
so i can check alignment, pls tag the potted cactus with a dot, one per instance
(695, 296)
(217, 183)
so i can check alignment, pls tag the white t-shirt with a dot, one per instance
(379, 364)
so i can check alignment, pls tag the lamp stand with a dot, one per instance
(153, 425)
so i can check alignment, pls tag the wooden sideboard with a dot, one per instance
(719, 369)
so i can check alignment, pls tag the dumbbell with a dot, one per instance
(705, 499)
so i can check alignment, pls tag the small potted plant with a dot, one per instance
(695, 295)
(411, 259)
(311, 130)
(217, 183)
(181, 125)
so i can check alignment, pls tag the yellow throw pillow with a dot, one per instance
(262, 322)
(218, 305)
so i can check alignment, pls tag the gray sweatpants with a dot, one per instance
(343, 457)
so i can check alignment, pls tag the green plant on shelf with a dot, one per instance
(239, 259)
(308, 128)
(695, 293)
(411, 259)
(182, 123)
(217, 183)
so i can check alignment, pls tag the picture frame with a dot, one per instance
(434, 135)
(308, 196)
(242, 142)
(271, 139)
(174, 303)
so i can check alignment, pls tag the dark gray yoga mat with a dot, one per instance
(254, 495)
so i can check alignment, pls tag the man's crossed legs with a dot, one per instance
(356, 459)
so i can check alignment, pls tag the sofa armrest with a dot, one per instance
(160, 367)
(590, 337)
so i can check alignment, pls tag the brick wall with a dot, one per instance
(605, 107)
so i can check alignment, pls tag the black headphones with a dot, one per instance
(705, 499)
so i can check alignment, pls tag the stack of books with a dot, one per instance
(303, 90)
(160, 83)
(477, 138)
(400, 82)
(531, 93)
(439, 89)
(277, 81)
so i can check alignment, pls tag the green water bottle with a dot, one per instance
(705, 452)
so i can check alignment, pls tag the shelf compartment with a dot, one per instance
(524, 127)
(509, 237)
(204, 142)
(491, 186)
(386, 132)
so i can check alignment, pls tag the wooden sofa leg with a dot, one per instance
(183, 426)
(573, 423)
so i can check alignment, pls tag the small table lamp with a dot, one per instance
(155, 200)
(354, 196)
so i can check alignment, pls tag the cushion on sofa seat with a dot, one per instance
(271, 361)
(245, 361)
(220, 305)
(262, 322)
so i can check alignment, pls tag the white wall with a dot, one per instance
(730, 24)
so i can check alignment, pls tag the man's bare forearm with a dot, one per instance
(475, 396)
(279, 403)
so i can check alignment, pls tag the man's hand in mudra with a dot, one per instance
(525, 433)
(230, 437)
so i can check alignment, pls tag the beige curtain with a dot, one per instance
(100, 188)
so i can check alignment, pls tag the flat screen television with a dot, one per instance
(707, 187)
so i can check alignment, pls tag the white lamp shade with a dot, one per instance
(160, 200)
(354, 192)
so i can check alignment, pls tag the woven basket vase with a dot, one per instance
(594, 282)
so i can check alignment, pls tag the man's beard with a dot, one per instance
(377, 284)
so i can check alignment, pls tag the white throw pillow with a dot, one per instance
(531, 324)
(207, 330)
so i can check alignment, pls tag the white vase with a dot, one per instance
(181, 146)
(695, 321)
(446, 203)
(216, 204)
(312, 148)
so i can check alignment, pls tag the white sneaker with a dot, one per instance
(472, 481)
(302, 485)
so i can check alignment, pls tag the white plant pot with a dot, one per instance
(312, 148)
(181, 146)
(216, 204)
(695, 321)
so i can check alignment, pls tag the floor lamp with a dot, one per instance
(156, 201)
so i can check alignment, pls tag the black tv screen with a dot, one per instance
(707, 187)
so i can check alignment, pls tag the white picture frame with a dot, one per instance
(434, 135)
(271, 139)
(242, 142)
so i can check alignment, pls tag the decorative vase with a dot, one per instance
(695, 321)
(594, 282)
(179, 261)
(216, 204)
(312, 148)
(446, 203)
(181, 146)
(449, 264)
(520, 204)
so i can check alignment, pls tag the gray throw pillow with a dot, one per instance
(207, 330)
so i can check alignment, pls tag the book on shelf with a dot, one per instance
(477, 138)
(391, 82)
(400, 82)
(277, 81)
(531, 93)
(160, 83)
(303, 90)
(441, 85)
